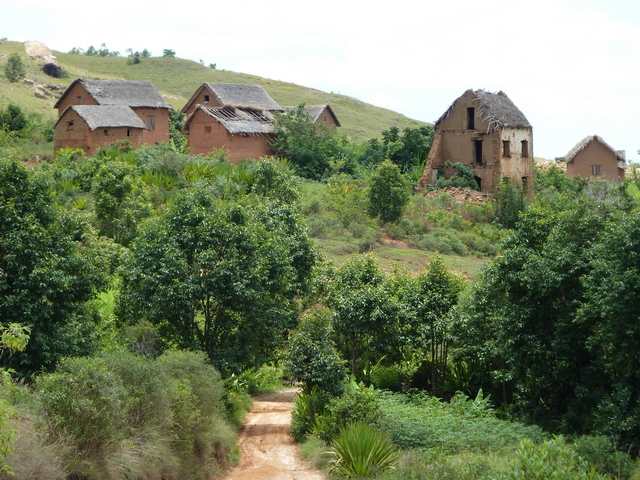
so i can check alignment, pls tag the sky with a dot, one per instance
(571, 66)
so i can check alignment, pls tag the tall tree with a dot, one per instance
(47, 273)
(388, 193)
(219, 276)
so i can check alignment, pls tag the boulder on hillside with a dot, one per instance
(51, 67)
(50, 64)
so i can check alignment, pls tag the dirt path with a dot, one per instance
(268, 452)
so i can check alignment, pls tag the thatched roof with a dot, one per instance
(99, 116)
(238, 120)
(314, 111)
(582, 144)
(496, 109)
(121, 92)
(238, 94)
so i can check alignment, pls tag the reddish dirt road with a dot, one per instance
(268, 452)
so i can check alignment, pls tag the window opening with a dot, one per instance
(106, 132)
(595, 169)
(206, 99)
(471, 118)
(506, 148)
(69, 126)
(151, 122)
(129, 132)
(525, 184)
(477, 147)
(207, 129)
(525, 149)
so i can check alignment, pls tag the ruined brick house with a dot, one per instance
(141, 97)
(234, 117)
(593, 157)
(486, 132)
(90, 127)
(242, 131)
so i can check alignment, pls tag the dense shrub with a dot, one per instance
(125, 415)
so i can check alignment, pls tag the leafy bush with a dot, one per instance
(360, 451)
(600, 452)
(385, 377)
(464, 425)
(306, 407)
(553, 459)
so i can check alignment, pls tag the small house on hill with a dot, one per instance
(142, 97)
(486, 132)
(593, 157)
(90, 127)
(320, 114)
(235, 94)
(242, 131)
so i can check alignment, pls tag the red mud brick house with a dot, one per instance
(242, 131)
(320, 114)
(593, 157)
(236, 94)
(142, 97)
(486, 132)
(90, 127)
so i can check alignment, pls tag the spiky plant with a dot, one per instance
(360, 451)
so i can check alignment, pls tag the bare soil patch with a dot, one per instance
(268, 452)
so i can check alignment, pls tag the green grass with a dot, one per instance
(178, 79)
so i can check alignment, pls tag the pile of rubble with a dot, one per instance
(460, 194)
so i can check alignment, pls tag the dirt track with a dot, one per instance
(268, 452)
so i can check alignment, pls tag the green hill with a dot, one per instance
(177, 79)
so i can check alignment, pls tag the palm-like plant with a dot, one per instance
(359, 451)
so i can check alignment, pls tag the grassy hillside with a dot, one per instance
(177, 79)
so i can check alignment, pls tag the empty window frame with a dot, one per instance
(70, 126)
(129, 134)
(151, 122)
(206, 99)
(595, 169)
(506, 148)
(471, 118)
(207, 129)
(105, 132)
(525, 184)
(477, 152)
(525, 149)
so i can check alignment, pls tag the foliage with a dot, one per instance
(311, 357)
(464, 177)
(366, 315)
(409, 150)
(219, 276)
(125, 415)
(511, 202)
(167, 52)
(309, 146)
(13, 119)
(553, 178)
(361, 452)
(553, 459)
(307, 408)
(49, 271)
(431, 299)
(103, 51)
(14, 68)
(419, 421)
(388, 193)
(547, 313)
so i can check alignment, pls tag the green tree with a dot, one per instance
(522, 319)
(219, 276)
(311, 357)
(511, 202)
(167, 52)
(14, 68)
(388, 193)
(13, 119)
(431, 301)
(366, 313)
(309, 146)
(49, 272)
